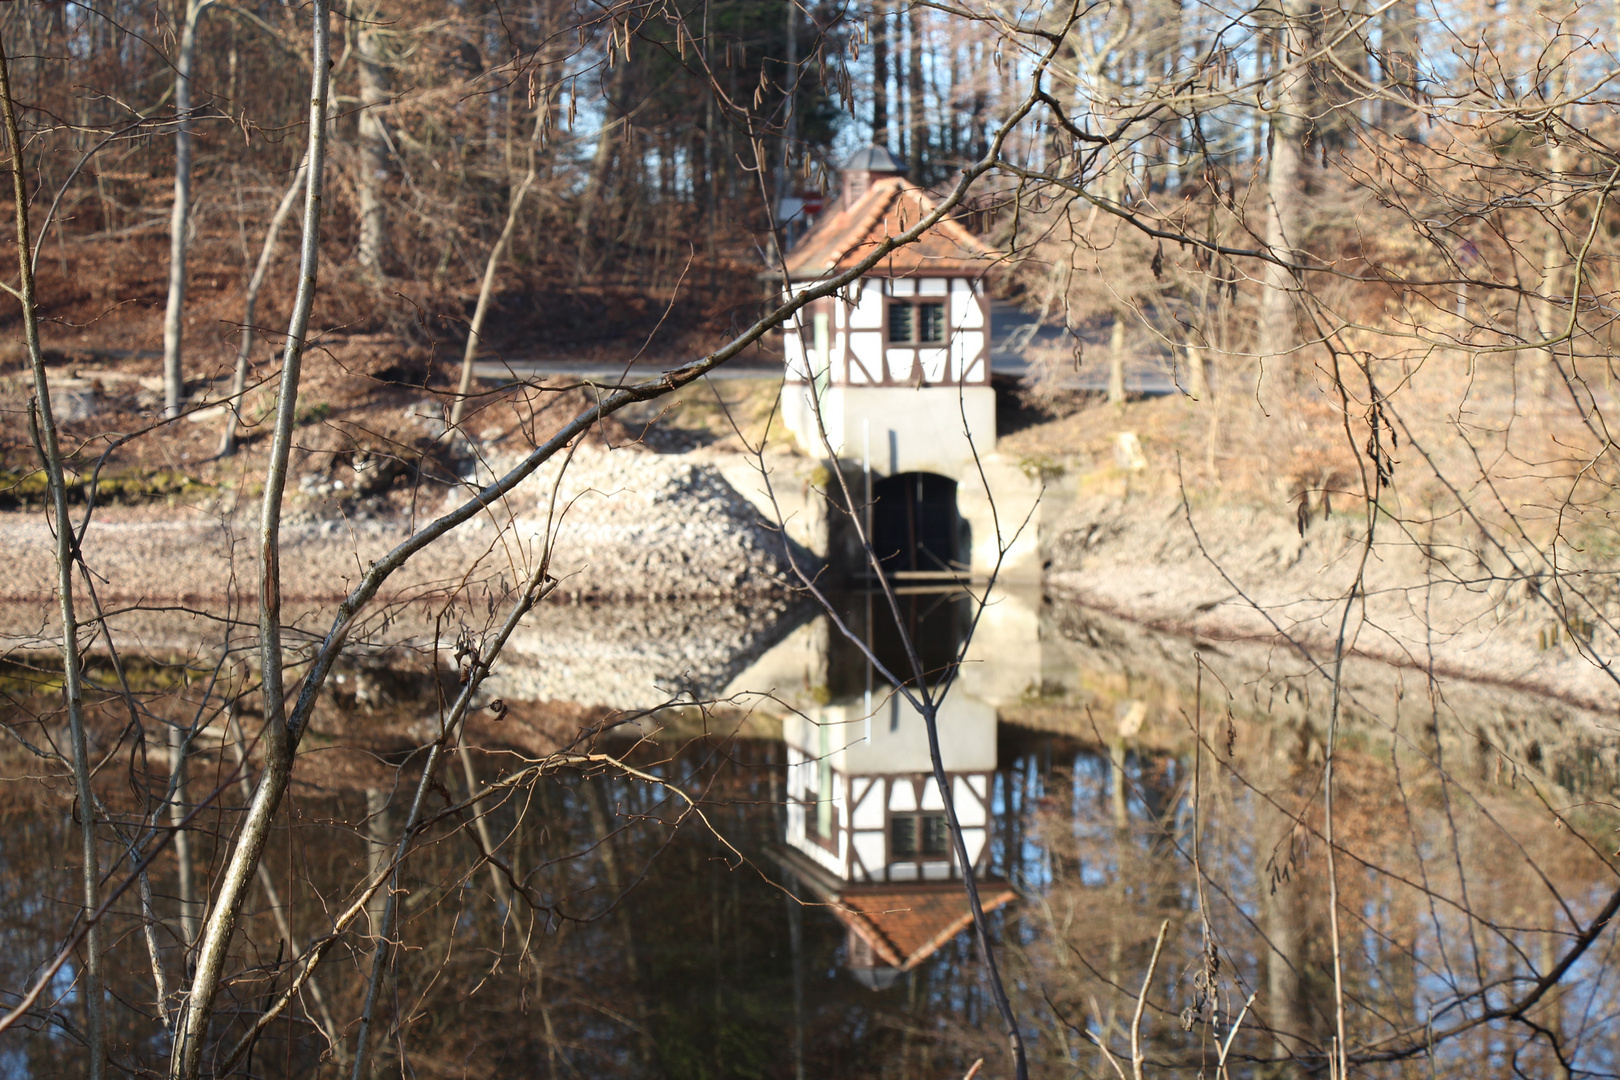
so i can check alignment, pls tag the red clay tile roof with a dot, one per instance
(906, 924)
(889, 207)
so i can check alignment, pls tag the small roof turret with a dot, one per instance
(865, 166)
(873, 158)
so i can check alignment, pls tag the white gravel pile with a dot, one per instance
(629, 523)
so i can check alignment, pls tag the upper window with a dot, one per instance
(916, 324)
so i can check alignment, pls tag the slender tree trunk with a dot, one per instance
(475, 331)
(1548, 312)
(882, 131)
(237, 876)
(45, 436)
(902, 99)
(1284, 196)
(601, 164)
(795, 914)
(244, 349)
(267, 884)
(373, 146)
(174, 381)
(377, 833)
(536, 590)
(503, 892)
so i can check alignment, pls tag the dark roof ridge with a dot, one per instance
(835, 242)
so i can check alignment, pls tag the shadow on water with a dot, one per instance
(827, 936)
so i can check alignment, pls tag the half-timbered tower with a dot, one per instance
(896, 361)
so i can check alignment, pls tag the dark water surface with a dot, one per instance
(763, 887)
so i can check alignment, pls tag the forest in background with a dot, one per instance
(1430, 169)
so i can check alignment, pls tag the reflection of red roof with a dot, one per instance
(905, 925)
(889, 207)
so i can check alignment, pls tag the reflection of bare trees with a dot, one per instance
(1449, 913)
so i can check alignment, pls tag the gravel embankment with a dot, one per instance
(625, 524)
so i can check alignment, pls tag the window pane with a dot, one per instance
(902, 837)
(931, 322)
(900, 323)
(936, 836)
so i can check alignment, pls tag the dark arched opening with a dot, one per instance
(915, 525)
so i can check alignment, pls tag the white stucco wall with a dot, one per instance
(910, 429)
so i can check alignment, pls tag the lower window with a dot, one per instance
(914, 836)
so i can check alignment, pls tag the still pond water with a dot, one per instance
(772, 893)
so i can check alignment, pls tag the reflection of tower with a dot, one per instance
(864, 821)
(866, 827)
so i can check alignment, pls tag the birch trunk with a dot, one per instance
(237, 877)
(72, 679)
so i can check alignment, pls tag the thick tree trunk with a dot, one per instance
(174, 382)
(1116, 360)
(882, 132)
(373, 148)
(916, 109)
(1284, 195)
(178, 751)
